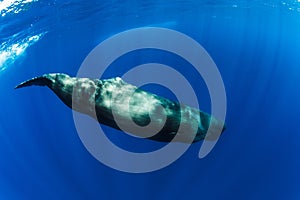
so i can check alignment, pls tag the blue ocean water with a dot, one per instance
(255, 45)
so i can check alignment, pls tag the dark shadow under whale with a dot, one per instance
(123, 106)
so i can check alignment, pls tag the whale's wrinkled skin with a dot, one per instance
(120, 105)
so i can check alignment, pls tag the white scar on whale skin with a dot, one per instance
(123, 106)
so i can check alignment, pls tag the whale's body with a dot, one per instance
(116, 103)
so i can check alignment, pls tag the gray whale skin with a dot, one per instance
(105, 100)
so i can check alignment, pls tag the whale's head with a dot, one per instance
(216, 128)
(209, 128)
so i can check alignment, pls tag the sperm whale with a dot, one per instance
(123, 106)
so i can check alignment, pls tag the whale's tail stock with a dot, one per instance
(56, 82)
(40, 81)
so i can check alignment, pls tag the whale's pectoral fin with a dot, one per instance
(41, 81)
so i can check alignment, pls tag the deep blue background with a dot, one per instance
(256, 47)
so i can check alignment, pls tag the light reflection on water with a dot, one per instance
(12, 47)
(13, 6)
(10, 52)
(26, 29)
